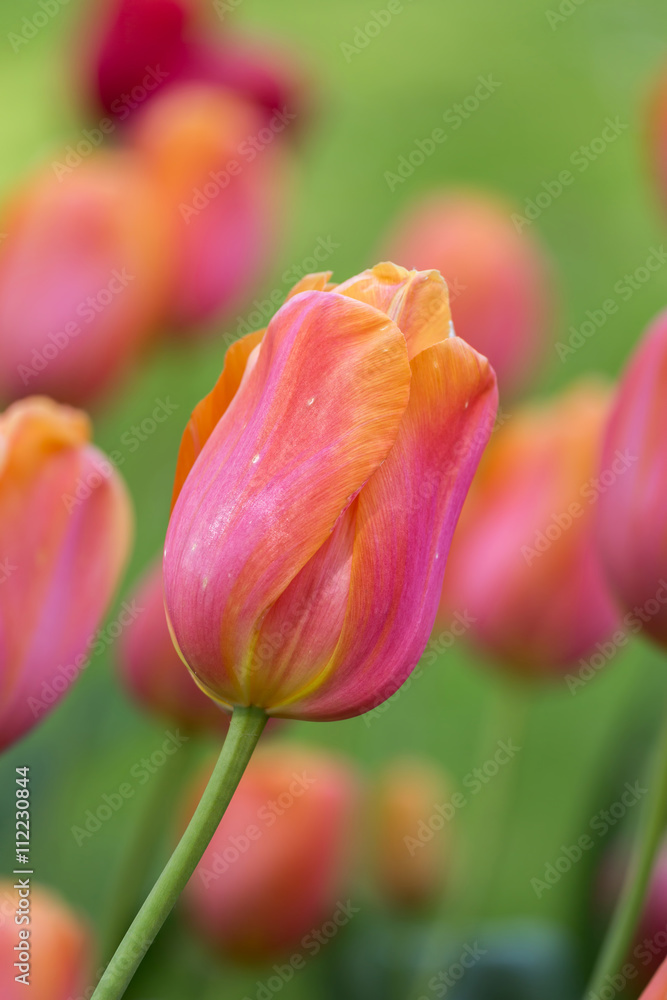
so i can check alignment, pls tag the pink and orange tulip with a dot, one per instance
(221, 195)
(524, 563)
(317, 490)
(83, 272)
(65, 529)
(57, 944)
(632, 514)
(280, 859)
(657, 988)
(499, 279)
(410, 872)
(153, 672)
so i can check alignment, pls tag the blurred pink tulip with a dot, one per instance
(143, 46)
(499, 279)
(524, 566)
(658, 135)
(317, 490)
(154, 673)
(57, 944)
(632, 514)
(83, 270)
(278, 863)
(65, 529)
(220, 176)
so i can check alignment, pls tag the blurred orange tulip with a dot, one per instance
(42, 939)
(65, 531)
(524, 564)
(83, 269)
(278, 863)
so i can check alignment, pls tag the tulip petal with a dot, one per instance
(208, 411)
(405, 518)
(417, 301)
(318, 282)
(316, 416)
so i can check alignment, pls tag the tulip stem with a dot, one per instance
(244, 732)
(628, 910)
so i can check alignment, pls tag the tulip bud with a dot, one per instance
(498, 277)
(632, 514)
(220, 181)
(82, 278)
(293, 581)
(45, 948)
(412, 842)
(524, 564)
(154, 673)
(277, 866)
(65, 529)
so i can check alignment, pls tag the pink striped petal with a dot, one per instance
(312, 421)
(405, 517)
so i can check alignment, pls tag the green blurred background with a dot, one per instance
(558, 84)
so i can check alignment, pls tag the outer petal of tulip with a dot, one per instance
(410, 871)
(65, 527)
(657, 988)
(83, 271)
(283, 463)
(498, 277)
(295, 810)
(61, 947)
(154, 673)
(223, 196)
(346, 596)
(632, 514)
(524, 565)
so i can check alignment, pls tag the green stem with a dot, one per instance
(138, 861)
(244, 732)
(628, 910)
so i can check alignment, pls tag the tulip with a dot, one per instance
(220, 193)
(410, 867)
(277, 865)
(657, 988)
(632, 514)
(305, 552)
(144, 46)
(153, 672)
(65, 527)
(498, 277)
(649, 947)
(83, 269)
(658, 135)
(524, 563)
(57, 944)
